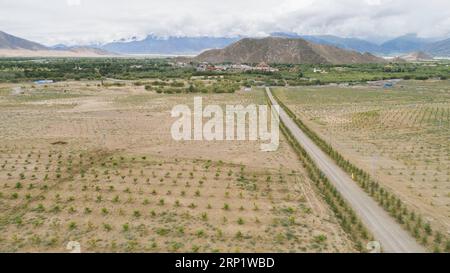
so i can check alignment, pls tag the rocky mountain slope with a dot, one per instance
(12, 46)
(284, 50)
(11, 42)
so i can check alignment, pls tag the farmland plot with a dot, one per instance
(400, 136)
(95, 165)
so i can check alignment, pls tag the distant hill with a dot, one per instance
(404, 44)
(170, 45)
(284, 50)
(439, 49)
(83, 50)
(417, 56)
(12, 46)
(11, 42)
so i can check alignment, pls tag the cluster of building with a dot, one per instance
(203, 67)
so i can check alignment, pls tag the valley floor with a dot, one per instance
(97, 165)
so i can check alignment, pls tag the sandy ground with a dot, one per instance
(98, 166)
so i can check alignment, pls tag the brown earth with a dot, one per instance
(97, 165)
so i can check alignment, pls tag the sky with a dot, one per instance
(99, 21)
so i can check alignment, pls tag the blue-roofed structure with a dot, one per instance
(43, 82)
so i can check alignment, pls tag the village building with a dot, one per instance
(265, 67)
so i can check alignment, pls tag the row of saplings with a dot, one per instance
(412, 221)
(345, 214)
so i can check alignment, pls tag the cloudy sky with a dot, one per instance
(88, 21)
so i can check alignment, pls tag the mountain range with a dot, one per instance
(284, 50)
(194, 45)
(440, 48)
(169, 46)
(398, 46)
(12, 46)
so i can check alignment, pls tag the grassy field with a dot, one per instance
(97, 165)
(400, 136)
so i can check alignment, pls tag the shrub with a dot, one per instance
(162, 231)
(204, 216)
(320, 239)
(105, 211)
(72, 226)
(137, 214)
(126, 227)
(107, 227)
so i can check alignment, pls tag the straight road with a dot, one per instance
(392, 237)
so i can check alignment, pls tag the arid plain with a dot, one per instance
(97, 165)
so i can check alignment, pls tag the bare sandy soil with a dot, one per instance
(97, 165)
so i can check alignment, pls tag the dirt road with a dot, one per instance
(392, 237)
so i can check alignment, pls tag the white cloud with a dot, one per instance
(373, 2)
(76, 21)
(72, 3)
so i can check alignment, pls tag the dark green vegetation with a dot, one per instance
(85, 69)
(22, 69)
(177, 87)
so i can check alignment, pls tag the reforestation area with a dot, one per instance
(92, 163)
(394, 142)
